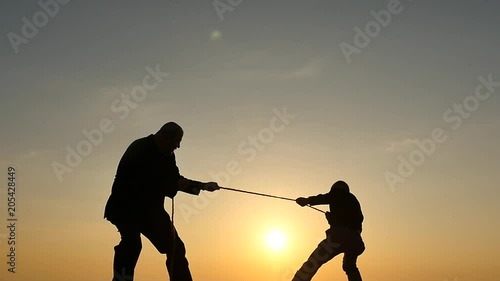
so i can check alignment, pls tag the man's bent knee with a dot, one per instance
(129, 245)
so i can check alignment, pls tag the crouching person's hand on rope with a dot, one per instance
(210, 186)
(302, 201)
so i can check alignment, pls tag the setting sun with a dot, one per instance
(275, 240)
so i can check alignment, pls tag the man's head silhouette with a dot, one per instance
(169, 137)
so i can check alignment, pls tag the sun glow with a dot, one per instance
(276, 240)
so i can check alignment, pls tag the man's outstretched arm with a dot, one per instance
(194, 187)
(313, 200)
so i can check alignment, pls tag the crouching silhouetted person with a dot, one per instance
(343, 236)
(146, 174)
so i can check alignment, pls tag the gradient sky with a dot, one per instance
(352, 121)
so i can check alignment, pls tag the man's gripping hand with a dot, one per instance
(210, 186)
(302, 201)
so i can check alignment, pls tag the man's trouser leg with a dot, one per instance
(158, 230)
(326, 250)
(126, 252)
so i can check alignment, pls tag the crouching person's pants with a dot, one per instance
(338, 240)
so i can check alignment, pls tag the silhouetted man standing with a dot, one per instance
(146, 174)
(343, 236)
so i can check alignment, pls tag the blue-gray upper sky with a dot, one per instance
(228, 70)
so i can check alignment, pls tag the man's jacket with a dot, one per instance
(143, 178)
